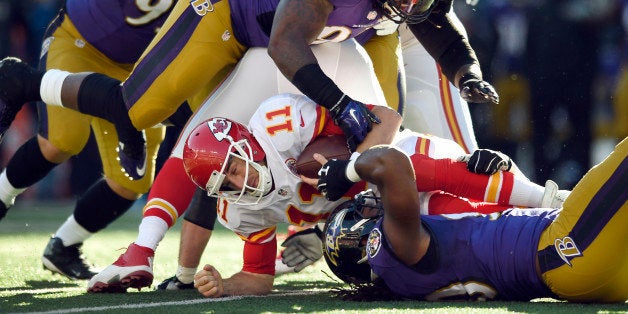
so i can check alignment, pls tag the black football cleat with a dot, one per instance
(66, 260)
(173, 283)
(16, 78)
(133, 157)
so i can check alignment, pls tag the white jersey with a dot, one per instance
(283, 125)
(256, 78)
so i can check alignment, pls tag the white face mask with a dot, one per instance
(248, 195)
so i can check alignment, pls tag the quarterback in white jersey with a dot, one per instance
(281, 128)
(282, 125)
(250, 171)
(253, 80)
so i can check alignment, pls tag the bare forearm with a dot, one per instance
(209, 283)
(190, 252)
(297, 23)
(245, 283)
(391, 170)
(384, 132)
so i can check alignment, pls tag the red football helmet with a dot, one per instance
(207, 153)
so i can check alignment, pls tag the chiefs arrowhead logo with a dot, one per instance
(220, 128)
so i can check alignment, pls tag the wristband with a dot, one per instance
(50, 87)
(350, 172)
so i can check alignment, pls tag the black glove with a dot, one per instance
(473, 89)
(333, 182)
(486, 161)
(355, 120)
(303, 248)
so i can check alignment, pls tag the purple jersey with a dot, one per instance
(472, 257)
(120, 29)
(252, 21)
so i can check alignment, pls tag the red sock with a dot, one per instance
(453, 177)
(171, 193)
(446, 203)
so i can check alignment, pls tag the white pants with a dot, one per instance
(256, 78)
(432, 104)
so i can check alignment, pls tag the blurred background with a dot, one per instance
(561, 70)
(559, 66)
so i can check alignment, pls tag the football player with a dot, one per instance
(210, 34)
(97, 36)
(199, 78)
(427, 100)
(432, 104)
(576, 253)
(76, 48)
(249, 171)
(474, 88)
(257, 74)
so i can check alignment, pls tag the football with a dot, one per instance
(333, 146)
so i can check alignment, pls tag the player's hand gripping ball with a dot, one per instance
(332, 147)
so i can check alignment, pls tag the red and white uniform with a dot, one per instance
(283, 125)
(255, 79)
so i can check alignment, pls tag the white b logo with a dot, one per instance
(202, 6)
(566, 247)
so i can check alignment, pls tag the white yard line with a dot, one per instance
(171, 303)
(8, 293)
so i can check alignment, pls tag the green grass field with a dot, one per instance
(26, 287)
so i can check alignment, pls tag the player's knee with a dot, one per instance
(52, 153)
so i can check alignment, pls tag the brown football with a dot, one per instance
(333, 146)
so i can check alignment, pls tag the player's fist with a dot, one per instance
(209, 282)
(385, 27)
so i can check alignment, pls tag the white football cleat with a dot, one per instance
(133, 269)
(553, 197)
(281, 268)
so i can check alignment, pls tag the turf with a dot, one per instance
(26, 287)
